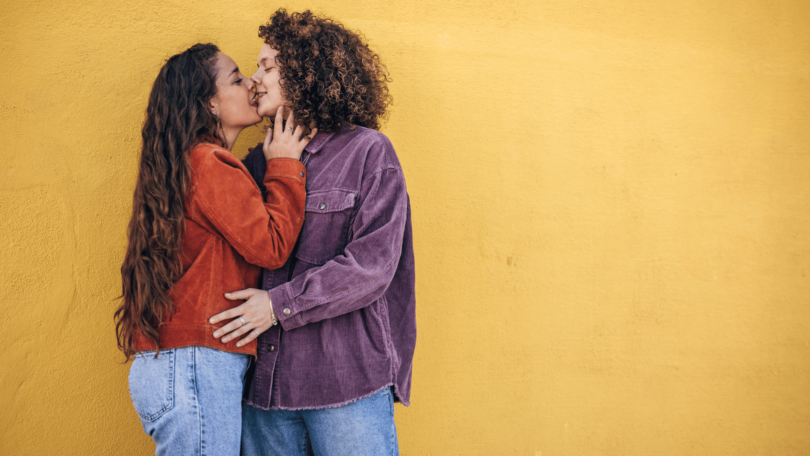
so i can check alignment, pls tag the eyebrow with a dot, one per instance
(235, 70)
(263, 61)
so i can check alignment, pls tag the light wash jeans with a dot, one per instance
(361, 428)
(190, 399)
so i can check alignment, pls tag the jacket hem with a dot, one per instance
(179, 336)
(333, 405)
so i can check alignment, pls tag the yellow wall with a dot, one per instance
(611, 214)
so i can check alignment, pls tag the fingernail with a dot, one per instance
(239, 344)
(211, 320)
(227, 294)
(216, 334)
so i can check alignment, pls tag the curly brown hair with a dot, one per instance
(328, 74)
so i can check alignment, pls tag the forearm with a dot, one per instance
(336, 288)
(263, 232)
(362, 273)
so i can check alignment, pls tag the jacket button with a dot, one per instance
(271, 348)
(322, 206)
(286, 311)
(302, 174)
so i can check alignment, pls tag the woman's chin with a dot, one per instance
(266, 110)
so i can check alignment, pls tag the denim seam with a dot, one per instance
(390, 396)
(196, 397)
(393, 438)
(306, 437)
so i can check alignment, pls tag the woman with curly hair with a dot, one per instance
(326, 378)
(200, 227)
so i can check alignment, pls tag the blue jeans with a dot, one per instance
(361, 428)
(190, 399)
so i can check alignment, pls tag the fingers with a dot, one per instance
(284, 145)
(299, 130)
(268, 138)
(236, 333)
(278, 120)
(234, 325)
(290, 122)
(227, 315)
(251, 318)
(254, 333)
(241, 294)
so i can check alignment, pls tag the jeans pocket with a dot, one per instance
(151, 383)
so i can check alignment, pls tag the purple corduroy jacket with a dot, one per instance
(345, 299)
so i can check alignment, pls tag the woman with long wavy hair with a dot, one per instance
(201, 227)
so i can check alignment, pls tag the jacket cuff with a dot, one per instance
(286, 167)
(284, 307)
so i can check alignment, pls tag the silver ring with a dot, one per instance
(257, 333)
(243, 321)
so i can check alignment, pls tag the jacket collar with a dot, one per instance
(318, 142)
(321, 139)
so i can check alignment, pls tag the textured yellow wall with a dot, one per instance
(611, 212)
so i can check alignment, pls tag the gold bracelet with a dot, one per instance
(272, 312)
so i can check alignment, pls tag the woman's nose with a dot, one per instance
(257, 77)
(250, 84)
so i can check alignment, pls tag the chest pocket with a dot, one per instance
(326, 228)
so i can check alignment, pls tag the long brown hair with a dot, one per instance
(177, 117)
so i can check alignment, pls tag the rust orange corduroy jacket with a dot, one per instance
(231, 233)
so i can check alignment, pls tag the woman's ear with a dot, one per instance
(213, 106)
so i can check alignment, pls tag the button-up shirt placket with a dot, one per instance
(330, 374)
(262, 387)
